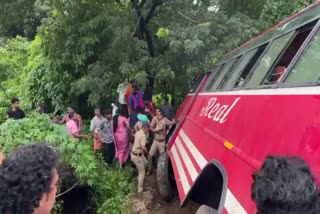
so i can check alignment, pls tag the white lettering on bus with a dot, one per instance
(216, 111)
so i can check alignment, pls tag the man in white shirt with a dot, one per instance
(121, 95)
(97, 144)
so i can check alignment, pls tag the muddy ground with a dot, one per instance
(149, 202)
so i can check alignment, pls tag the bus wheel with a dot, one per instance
(164, 177)
(203, 209)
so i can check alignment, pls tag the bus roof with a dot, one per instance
(282, 27)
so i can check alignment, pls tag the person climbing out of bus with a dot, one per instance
(159, 143)
(139, 154)
(76, 117)
(136, 98)
(285, 185)
(278, 73)
(96, 120)
(29, 180)
(73, 129)
(15, 113)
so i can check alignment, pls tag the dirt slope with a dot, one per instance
(150, 202)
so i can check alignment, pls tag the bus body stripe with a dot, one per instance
(191, 169)
(232, 205)
(183, 178)
(312, 90)
(201, 161)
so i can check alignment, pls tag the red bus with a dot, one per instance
(261, 99)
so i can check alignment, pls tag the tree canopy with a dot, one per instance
(79, 51)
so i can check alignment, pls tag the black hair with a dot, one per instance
(166, 99)
(132, 81)
(72, 106)
(161, 111)
(120, 112)
(14, 100)
(97, 108)
(26, 174)
(285, 185)
(108, 111)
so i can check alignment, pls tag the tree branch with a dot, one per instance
(181, 14)
(68, 190)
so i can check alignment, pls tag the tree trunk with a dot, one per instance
(143, 33)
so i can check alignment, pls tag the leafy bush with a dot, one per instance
(111, 186)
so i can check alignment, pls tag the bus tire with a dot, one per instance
(203, 209)
(163, 177)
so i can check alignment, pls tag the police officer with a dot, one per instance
(139, 153)
(159, 142)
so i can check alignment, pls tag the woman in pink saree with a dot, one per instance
(120, 130)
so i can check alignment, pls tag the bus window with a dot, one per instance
(268, 59)
(222, 73)
(229, 72)
(307, 67)
(246, 65)
(279, 69)
(215, 74)
(195, 83)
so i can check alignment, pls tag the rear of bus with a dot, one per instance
(261, 99)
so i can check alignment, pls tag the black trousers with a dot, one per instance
(109, 152)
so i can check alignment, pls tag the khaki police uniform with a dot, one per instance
(159, 142)
(138, 158)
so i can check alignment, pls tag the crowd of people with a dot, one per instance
(29, 181)
(137, 131)
(134, 130)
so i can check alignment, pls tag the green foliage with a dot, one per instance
(275, 11)
(110, 185)
(13, 59)
(163, 32)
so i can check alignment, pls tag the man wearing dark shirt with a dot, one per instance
(167, 109)
(15, 112)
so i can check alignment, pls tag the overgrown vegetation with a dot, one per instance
(78, 51)
(112, 187)
(57, 52)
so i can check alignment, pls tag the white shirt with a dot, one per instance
(94, 123)
(121, 91)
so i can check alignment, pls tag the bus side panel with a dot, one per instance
(239, 131)
(183, 107)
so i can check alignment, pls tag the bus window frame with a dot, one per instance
(223, 72)
(275, 35)
(232, 84)
(281, 83)
(229, 73)
(297, 32)
(260, 86)
(299, 54)
(216, 71)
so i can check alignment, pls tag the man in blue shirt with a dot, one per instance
(136, 99)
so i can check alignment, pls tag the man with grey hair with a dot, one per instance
(139, 153)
